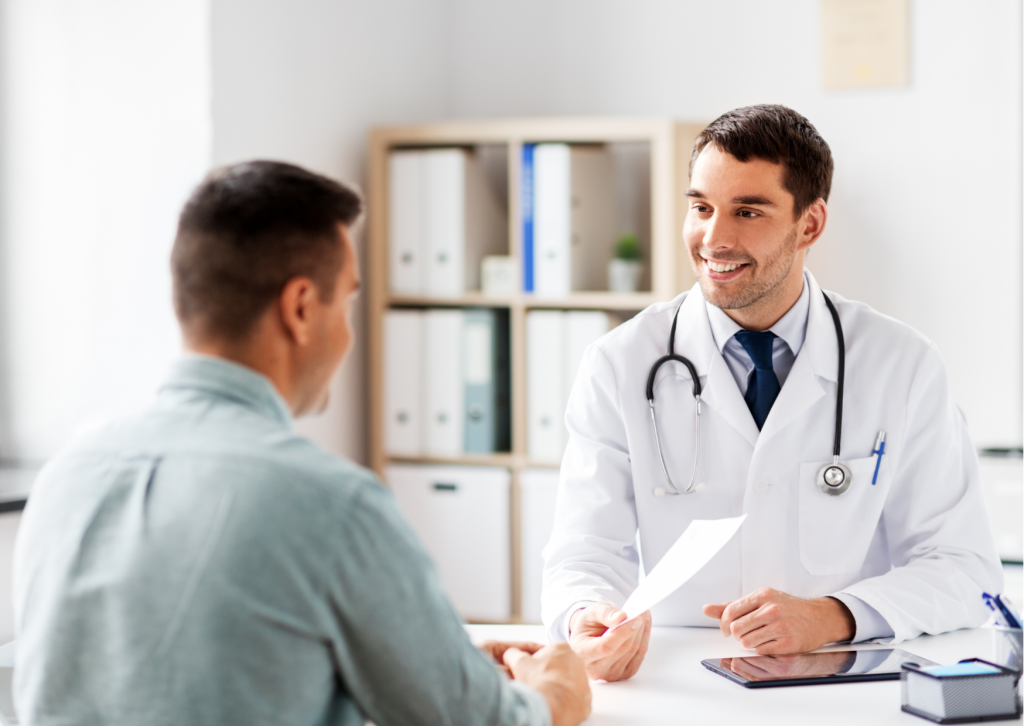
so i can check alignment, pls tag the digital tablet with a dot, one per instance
(805, 669)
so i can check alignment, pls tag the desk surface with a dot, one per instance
(672, 686)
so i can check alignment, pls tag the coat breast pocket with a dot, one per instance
(836, 531)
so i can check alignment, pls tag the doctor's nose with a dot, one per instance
(715, 235)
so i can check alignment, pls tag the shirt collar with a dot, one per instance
(791, 327)
(222, 378)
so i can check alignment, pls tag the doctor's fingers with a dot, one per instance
(619, 665)
(634, 664)
(739, 608)
(601, 616)
(757, 618)
(606, 657)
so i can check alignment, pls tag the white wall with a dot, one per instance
(108, 122)
(925, 218)
(303, 81)
(106, 128)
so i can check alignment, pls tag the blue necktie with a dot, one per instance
(763, 385)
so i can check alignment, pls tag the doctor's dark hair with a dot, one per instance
(781, 136)
(245, 232)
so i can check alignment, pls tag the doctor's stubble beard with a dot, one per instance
(766, 278)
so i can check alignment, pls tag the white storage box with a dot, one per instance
(461, 513)
(538, 489)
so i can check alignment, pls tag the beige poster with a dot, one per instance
(865, 43)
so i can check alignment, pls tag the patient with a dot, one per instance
(201, 563)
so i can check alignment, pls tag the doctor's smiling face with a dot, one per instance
(746, 241)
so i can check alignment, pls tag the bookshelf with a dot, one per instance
(668, 144)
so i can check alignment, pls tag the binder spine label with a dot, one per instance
(527, 212)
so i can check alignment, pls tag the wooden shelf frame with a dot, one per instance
(670, 143)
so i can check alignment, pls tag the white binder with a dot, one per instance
(461, 515)
(444, 213)
(573, 218)
(538, 489)
(582, 327)
(405, 222)
(551, 220)
(403, 373)
(555, 343)
(443, 382)
(545, 385)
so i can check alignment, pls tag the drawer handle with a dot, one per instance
(444, 487)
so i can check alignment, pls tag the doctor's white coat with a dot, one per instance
(917, 546)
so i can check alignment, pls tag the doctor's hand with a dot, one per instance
(775, 623)
(790, 666)
(610, 655)
(558, 674)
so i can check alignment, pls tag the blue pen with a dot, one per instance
(1004, 618)
(1012, 619)
(878, 451)
(1014, 613)
(990, 604)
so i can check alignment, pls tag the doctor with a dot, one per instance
(897, 545)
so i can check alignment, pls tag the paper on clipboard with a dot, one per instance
(695, 547)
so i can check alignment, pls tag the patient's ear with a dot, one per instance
(297, 305)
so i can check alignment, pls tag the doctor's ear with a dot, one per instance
(812, 223)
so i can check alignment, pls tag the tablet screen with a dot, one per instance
(807, 667)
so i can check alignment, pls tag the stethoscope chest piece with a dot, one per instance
(834, 478)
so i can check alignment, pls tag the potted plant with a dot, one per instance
(625, 267)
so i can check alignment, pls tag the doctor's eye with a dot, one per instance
(701, 208)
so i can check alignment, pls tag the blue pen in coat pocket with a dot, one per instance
(878, 451)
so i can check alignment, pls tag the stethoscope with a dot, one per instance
(833, 479)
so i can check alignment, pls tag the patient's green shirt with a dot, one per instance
(201, 563)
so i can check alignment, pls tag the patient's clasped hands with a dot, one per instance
(553, 670)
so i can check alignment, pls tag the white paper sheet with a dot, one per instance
(695, 547)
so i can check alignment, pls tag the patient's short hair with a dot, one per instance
(245, 232)
(781, 136)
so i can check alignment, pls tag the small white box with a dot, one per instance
(498, 276)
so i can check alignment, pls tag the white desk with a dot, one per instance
(672, 686)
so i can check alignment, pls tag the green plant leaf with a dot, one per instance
(628, 248)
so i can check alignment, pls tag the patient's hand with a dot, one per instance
(775, 623)
(558, 674)
(496, 650)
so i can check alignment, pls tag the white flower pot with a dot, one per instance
(624, 275)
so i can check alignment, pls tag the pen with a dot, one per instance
(1004, 617)
(878, 451)
(1014, 613)
(990, 604)
(1011, 617)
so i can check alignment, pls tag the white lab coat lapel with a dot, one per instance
(818, 358)
(695, 341)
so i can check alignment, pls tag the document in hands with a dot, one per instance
(695, 547)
